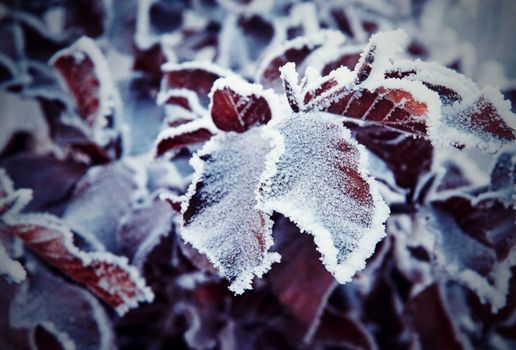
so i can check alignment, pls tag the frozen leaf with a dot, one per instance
(99, 200)
(106, 275)
(227, 172)
(85, 73)
(365, 94)
(184, 135)
(316, 177)
(72, 315)
(470, 116)
(237, 105)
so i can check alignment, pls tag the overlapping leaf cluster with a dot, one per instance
(159, 155)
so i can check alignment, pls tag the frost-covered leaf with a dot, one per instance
(219, 214)
(475, 243)
(84, 72)
(72, 315)
(470, 115)
(106, 275)
(316, 176)
(184, 135)
(365, 93)
(237, 105)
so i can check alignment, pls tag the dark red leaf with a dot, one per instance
(238, 106)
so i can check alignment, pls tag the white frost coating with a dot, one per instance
(303, 181)
(243, 88)
(11, 269)
(224, 224)
(454, 127)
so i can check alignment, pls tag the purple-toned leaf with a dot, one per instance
(436, 329)
(301, 281)
(70, 315)
(142, 229)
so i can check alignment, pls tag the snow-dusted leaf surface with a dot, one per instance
(72, 315)
(317, 177)
(237, 105)
(108, 276)
(219, 214)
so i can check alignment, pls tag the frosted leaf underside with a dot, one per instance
(220, 219)
(318, 181)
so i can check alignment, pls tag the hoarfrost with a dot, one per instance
(221, 200)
